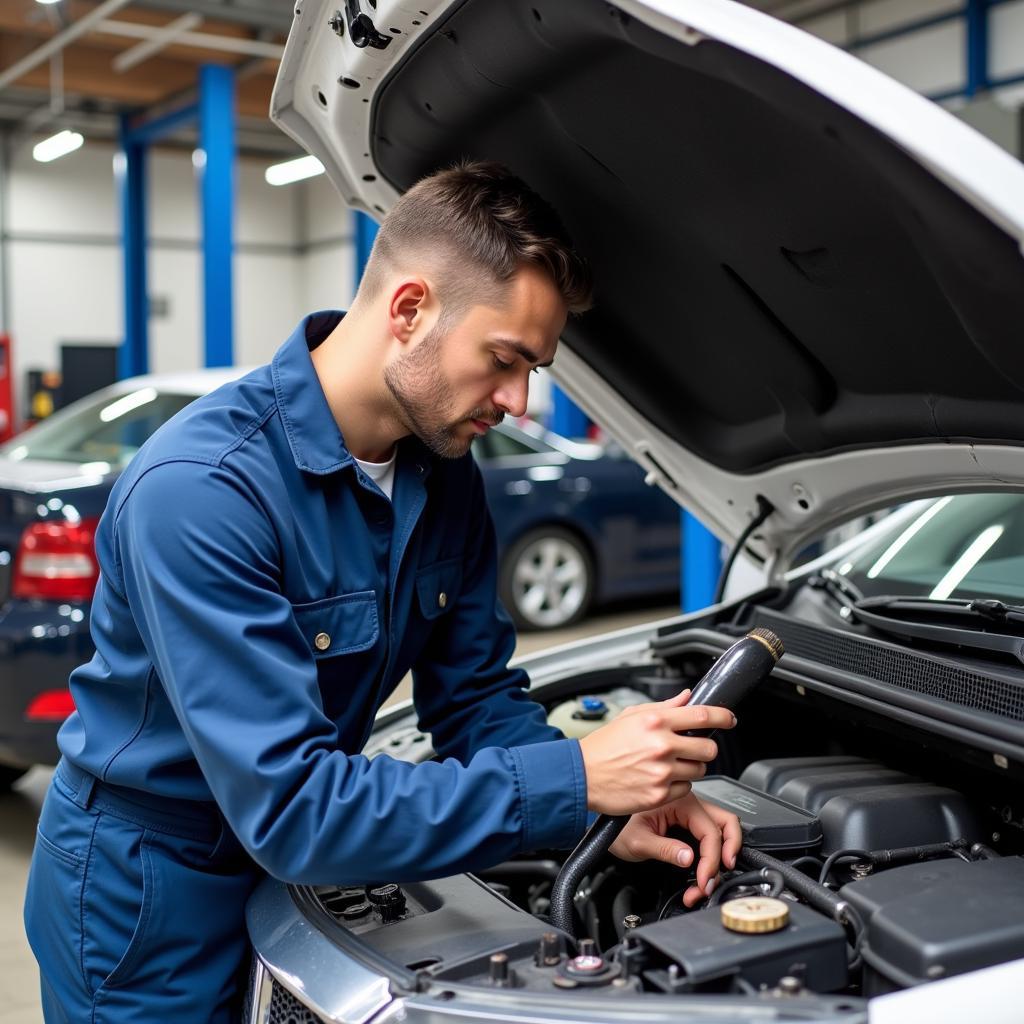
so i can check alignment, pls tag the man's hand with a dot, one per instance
(638, 762)
(717, 831)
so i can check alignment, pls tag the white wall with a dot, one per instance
(64, 261)
(930, 59)
(327, 228)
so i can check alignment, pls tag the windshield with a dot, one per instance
(966, 546)
(105, 429)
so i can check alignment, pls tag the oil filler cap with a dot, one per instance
(754, 914)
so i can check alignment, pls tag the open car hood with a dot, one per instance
(809, 279)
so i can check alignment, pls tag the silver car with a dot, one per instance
(810, 292)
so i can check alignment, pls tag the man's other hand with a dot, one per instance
(717, 831)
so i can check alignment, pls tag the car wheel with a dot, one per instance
(547, 579)
(9, 776)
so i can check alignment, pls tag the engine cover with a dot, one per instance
(937, 919)
(864, 805)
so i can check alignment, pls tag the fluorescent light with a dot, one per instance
(966, 562)
(126, 404)
(45, 2)
(897, 545)
(56, 146)
(293, 170)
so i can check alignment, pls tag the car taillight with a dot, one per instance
(50, 706)
(56, 562)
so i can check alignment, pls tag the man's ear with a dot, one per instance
(407, 307)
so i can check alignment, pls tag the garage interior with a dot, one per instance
(160, 244)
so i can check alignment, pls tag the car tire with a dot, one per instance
(9, 776)
(547, 579)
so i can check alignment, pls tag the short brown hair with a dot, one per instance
(478, 224)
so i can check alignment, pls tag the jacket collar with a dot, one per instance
(316, 442)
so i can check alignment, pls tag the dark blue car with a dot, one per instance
(576, 526)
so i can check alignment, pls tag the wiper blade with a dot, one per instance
(959, 610)
(986, 625)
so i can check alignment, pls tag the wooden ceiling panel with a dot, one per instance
(88, 73)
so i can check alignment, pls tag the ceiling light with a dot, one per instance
(293, 170)
(47, 2)
(57, 145)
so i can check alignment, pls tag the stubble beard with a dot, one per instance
(423, 398)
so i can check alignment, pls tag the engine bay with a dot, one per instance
(873, 861)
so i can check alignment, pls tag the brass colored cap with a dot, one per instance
(755, 914)
(769, 639)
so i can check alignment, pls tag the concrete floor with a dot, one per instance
(19, 810)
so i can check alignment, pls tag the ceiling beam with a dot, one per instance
(161, 38)
(59, 41)
(202, 40)
(273, 14)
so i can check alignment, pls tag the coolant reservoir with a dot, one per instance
(581, 716)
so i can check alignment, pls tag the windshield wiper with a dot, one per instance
(961, 610)
(985, 625)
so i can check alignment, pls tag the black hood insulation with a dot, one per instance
(775, 279)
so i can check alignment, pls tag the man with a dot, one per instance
(272, 562)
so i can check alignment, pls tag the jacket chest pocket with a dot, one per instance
(346, 624)
(438, 587)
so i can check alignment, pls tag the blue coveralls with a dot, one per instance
(259, 599)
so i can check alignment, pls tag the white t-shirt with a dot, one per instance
(381, 473)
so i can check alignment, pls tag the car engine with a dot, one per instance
(873, 860)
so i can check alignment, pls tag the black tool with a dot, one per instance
(726, 683)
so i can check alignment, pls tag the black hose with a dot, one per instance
(764, 509)
(593, 845)
(745, 664)
(811, 862)
(835, 858)
(763, 876)
(908, 854)
(816, 895)
(890, 858)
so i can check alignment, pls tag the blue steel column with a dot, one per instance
(217, 189)
(701, 563)
(133, 356)
(566, 418)
(365, 232)
(977, 46)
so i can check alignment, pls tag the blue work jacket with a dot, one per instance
(259, 599)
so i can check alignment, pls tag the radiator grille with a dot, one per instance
(904, 669)
(286, 1009)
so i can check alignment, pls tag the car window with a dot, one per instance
(496, 444)
(966, 546)
(100, 428)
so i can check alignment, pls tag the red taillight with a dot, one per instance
(50, 706)
(56, 562)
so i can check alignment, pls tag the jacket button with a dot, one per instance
(442, 599)
(322, 641)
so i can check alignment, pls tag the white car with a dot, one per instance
(809, 299)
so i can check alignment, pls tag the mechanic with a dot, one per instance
(273, 561)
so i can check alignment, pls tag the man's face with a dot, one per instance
(452, 386)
